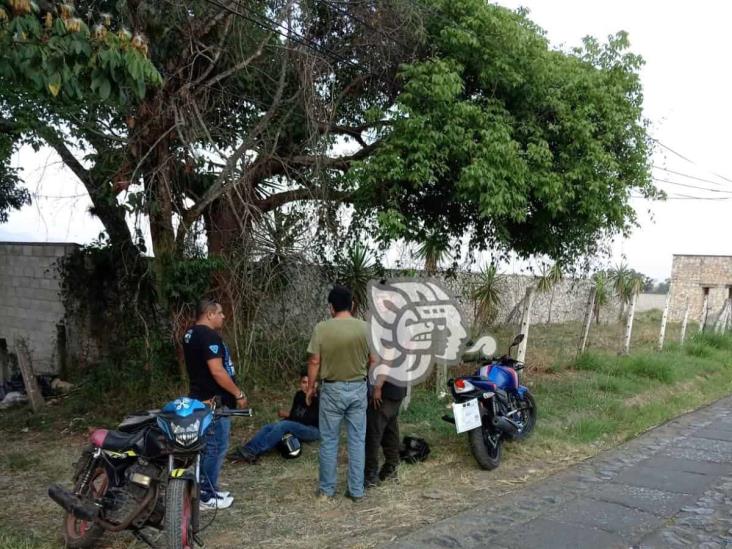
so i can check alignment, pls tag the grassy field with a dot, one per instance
(585, 405)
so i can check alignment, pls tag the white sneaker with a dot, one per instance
(216, 503)
(223, 494)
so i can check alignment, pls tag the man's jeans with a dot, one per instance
(217, 442)
(269, 435)
(342, 400)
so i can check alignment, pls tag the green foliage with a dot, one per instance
(55, 53)
(497, 135)
(487, 295)
(186, 280)
(355, 270)
(549, 277)
(434, 249)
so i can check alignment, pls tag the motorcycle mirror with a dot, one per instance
(518, 339)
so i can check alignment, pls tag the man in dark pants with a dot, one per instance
(382, 429)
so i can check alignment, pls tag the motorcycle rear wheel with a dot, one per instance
(485, 447)
(178, 514)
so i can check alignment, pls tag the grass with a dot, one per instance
(586, 404)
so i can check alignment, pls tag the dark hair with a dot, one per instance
(204, 306)
(304, 372)
(341, 298)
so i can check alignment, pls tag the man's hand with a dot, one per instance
(310, 394)
(284, 414)
(376, 398)
(241, 400)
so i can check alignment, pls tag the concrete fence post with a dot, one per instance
(705, 311)
(29, 379)
(684, 323)
(629, 325)
(664, 319)
(525, 323)
(587, 321)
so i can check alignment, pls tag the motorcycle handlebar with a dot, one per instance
(243, 412)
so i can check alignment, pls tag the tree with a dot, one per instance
(354, 271)
(433, 250)
(52, 68)
(602, 283)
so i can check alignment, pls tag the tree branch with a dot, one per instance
(279, 199)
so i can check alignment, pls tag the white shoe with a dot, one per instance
(223, 494)
(216, 503)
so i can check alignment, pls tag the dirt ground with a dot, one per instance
(275, 504)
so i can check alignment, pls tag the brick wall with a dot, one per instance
(690, 275)
(30, 304)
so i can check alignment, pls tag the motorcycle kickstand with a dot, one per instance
(143, 538)
(198, 541)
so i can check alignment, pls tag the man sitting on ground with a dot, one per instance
(301, 421)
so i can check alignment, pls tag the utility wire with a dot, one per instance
(689, 160)
(687, 175)
(691, 186)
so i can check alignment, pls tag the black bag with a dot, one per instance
(414, 449)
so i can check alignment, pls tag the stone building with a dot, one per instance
(695, 278)
(30, 304)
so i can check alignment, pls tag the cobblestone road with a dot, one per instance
(670, 487)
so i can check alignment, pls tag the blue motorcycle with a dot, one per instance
(492, 406)
(146, 474)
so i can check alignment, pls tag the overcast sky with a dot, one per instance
(687, 99)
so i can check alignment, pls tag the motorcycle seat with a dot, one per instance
(116, 441)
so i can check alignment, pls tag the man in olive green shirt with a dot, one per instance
(339, 355)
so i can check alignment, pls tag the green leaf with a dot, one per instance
(105, 88)
(54, 84)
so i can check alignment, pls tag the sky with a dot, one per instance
(686, 88)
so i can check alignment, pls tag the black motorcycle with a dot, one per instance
(146, 474)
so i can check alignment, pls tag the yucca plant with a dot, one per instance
(435, 249)
(356, 269)
(487, 295)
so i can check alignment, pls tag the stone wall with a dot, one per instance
(694, 275)
(30, 304)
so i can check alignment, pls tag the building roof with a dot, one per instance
(701, 255)
(16, 243)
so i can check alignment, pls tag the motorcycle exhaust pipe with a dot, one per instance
(505, 425)
(72, 504)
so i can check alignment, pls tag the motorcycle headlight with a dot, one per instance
(185, 435)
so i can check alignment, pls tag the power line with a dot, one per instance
(687, 175)
(691, 186)
(689, 160)
(290, 35)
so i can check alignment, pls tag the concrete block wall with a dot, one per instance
(30, 301)
(691, 276)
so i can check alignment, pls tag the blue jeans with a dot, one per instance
(217, 443)
(269, 435)
(340, 401)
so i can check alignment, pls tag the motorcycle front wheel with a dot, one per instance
(485, 447)
(78, 533)
(178, 514)
(527, 417)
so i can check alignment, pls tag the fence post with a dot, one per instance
(588, 321)
(721, 323)
(664, 319)
(629, 325)
(703, 319)
(683, 323)
(525, 322)
(29, 378)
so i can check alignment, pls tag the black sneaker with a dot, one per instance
(388, 472)
(354, 499)
(371, 482)
(242, 454)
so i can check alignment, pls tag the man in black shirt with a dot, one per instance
(382, 429)
(301, 421)
(211, 375)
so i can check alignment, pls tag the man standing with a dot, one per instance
(211, 375)
(339, 352)
(382, 429)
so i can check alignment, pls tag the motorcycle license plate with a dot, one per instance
(467, 415)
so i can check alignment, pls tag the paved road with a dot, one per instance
(671, 487)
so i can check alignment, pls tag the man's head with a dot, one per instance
(304, 381)
(340, 299)
(210, 313)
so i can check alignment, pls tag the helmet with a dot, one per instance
(289, 446)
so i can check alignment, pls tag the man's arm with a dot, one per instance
(313, 370)
(222, 378)
(379, 382)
